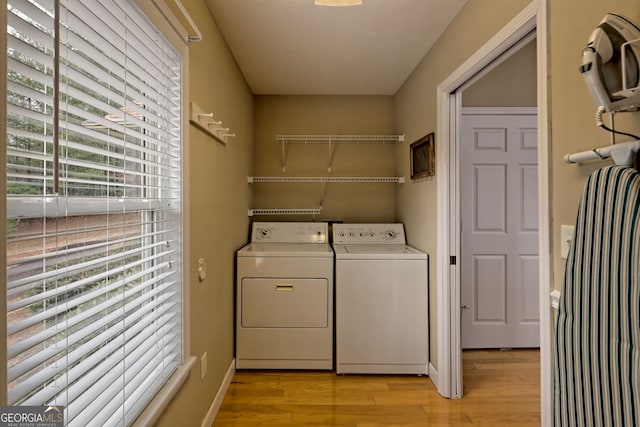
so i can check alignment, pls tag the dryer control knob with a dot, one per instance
(264, 232)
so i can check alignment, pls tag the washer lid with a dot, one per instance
(299, 250)
(378, 252)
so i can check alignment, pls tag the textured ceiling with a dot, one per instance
(292, 47)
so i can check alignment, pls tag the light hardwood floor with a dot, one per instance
(501, 388)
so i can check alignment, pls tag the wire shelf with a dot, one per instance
(340, 139)
(285, 211)
(326, 179)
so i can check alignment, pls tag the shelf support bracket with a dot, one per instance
(323, 191)
(284, 155)
(332, 151)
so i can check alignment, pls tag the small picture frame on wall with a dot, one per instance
(422, 154)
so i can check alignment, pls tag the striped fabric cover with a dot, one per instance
(597, 381)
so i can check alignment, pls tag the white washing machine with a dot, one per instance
(382, 301)
(284, 298)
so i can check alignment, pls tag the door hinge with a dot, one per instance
(452, 260)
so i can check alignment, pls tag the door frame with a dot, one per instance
(449, 378)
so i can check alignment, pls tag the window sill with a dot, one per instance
(155, 408)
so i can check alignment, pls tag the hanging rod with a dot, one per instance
(198, 36)
(303, 179)
(285, 211)
(340, 139)
(622, 153)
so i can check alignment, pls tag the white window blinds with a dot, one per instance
(94, 277)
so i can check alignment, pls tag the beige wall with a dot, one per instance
(218, 200)
(322, 115)
(416, 110)
(572, 110)
(510, 84)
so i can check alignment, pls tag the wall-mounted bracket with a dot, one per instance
(205, 121)
(622, 153)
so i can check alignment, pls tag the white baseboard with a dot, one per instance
(222, 391)
(433, 374)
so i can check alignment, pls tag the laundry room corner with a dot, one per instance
(336, 212)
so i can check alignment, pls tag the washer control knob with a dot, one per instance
(390, 234)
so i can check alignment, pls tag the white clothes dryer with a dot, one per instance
(382, 301)
(284, 298)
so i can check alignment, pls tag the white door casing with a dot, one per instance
(499, 228)
(448, 371)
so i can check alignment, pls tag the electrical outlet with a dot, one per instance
(203, 366)
(566, 237)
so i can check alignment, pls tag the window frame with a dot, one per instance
(164, 20)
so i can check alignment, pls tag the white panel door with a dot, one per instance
(499, 235)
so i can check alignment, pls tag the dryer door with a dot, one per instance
(284, 303)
